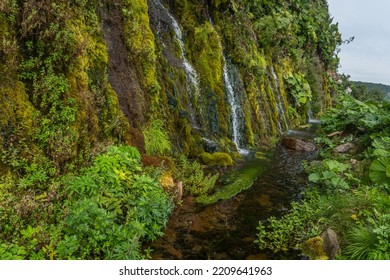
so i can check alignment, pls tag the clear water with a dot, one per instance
(227, 229)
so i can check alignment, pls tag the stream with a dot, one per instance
(226, 229)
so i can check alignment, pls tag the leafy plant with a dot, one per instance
(116, 208)
(380, 170)
(370, 241)
(194, 180)
(285, 233)
(333, 175)
(156, 139)
(300, 89)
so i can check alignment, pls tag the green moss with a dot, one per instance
(272, 107)
(282, 91)
(207, 49)
(243, 179)
(216, 159)
(140, 41)
(314, 248)
(17, 124)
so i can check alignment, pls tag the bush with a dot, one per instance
(112, 208)
(194, 180)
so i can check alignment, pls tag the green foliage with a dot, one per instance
(381, 146)
(12, 252)
(194, 180)
(157, 139)
(292, 229)
(91, 231)
(333, 175)
(380, 170)
(116, 208)
(356, 115)
(140, 41)
(369, 91)
(300, 89)
(340, 197)
(237, 182)
(370, 241)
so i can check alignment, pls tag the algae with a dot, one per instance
(243, 180)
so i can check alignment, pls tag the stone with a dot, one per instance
(336, 133)
(298, 144)
(331, 244)
(178, 192)
(344, 148)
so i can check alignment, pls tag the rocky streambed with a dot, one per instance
(227, 229)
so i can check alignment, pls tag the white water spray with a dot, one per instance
(235, 108)
(192, 77)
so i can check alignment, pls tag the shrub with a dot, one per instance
(112, 208)
(194, 180)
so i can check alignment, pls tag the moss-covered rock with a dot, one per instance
(314, 248)
(216, 159)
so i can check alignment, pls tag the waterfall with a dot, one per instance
(283, 124)
(311, 118)
(236, 109)
(235, 106)
(192, 77)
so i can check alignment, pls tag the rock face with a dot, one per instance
(298, 145)
(344, 148)
(331, 244)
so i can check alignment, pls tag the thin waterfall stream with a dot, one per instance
(192, 77)
(236, 109)
(227, 229)
(283, 123)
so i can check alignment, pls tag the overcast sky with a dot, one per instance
(367, 58)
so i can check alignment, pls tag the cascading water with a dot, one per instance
(192, 77)
(311, 118)
(236, 110)
(283, 124)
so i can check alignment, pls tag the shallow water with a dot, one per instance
(227, 229)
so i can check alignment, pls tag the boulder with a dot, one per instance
(331, 244)
(298, 144)
(344, 148)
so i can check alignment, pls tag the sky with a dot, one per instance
(367, 58)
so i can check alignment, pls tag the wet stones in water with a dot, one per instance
(298, 144)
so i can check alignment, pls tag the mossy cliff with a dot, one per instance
(79, 76)
(100, 99)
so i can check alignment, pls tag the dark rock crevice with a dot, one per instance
(122, 75)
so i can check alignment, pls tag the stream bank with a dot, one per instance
(227, 229)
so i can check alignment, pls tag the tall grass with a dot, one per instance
(157, 139)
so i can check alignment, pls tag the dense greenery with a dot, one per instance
(369, 91)
(349, 192)
(102, 213)
(89, 89)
